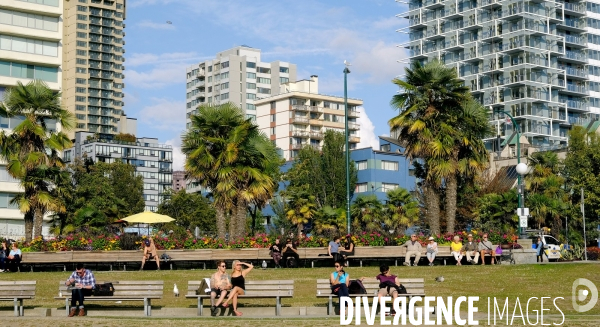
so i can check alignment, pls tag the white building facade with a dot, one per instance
(30, 48)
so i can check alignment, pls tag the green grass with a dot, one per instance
(523, 281)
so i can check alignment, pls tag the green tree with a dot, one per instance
(32, 149)
(367, 214)
(226, 153)
(401, 209)
(323, 174)
(330, 221)
(300, 209)
(190, 210)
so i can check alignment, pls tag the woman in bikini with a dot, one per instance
(237, 284)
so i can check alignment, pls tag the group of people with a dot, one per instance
(469, 249)
(222, 284)
(288, 253)
(10, 257)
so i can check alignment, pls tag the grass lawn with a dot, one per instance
(522, 281)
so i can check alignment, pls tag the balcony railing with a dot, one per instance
(577, 7)
(300, 107)
(300, 133)
(301, 120)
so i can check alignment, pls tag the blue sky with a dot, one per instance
(315, 35)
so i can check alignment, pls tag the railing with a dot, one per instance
(300, 133)
(316, 135)
(577, 7)
(574, 71)
(576, 55)
(577, 88)
(576, 23)
(353, 125)
(353, 113)
(297, 146)
(300, 107)
(303, 120)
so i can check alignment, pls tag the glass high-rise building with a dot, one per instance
(93, 64)
(537, 60)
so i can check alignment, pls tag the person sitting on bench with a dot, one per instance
(334, 248)
(485, 247)
(82, 282)
(413, 247)
(290, 250)
(348, 247)
(14, 258)
(150, 253)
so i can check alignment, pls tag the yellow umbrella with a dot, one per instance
(148, 217)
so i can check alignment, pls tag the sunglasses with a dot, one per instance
(223, 266)
(337, 266)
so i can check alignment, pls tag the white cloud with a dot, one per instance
(367, 131)
(158, 76)
(164, 114)
(178, 156)
(156, 26)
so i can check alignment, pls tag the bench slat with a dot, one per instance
(17, 282)
(18, 288)
(16, 293)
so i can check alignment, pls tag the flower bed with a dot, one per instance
(103, 242)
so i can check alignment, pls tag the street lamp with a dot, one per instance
(522, 168)
(346, 72)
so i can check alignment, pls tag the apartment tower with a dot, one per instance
(298, 116)
(93, 64)
(236, 75)
(30, 48)
(537, 60)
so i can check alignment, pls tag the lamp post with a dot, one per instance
(521, 168)
(346, 72)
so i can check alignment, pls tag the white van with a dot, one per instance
(551, 246)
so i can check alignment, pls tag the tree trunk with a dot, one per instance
(451, 186)
(38, 222)
(28, 226)
(300, 228)
(432, 200)
(220, 215)
(232, 224)
(241, 218)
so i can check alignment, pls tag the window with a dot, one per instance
(33, 46)
(79, 99)
(80, 125)
(209, 69)
(80, 70)
(284, 70)
(225, 75)
(251, 75)
(79, 107)
(80, 116)
(224, 85)
(388, 187)
(81, 44)
(82, 8)
(263, 90)
(250, 106)
(82, 26)
(81, 17)
(251, 96)
(251, 86)
(385, 148)
(81, 53)
(22, 19)
(361, 165)
(83, 1)
(81, 61)
(224, 96)
(361, 188)
(82, 35)
(225, 64)
(80, 89)
(389, 165)
(53, 3)
(251, 65)
(273, 105)
(411, 172)
(263, 80)
(80, 81)
(12, 69)
(272, 130)
(284, 80)
(264, 70)
(273, 118)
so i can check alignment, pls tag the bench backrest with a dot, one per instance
(254, 287)
(129, 288)
(18, 288)
(413, 285)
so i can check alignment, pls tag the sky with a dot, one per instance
(317, 36)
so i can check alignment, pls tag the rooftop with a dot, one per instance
(139, 144)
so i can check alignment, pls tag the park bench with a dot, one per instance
(414, 287)
(124, 291)
(255, 289)
(17, 291)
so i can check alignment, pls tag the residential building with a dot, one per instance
(152, 161)
(30, 48)
(537, 60)
(178, 180)
(236, 75)
(298, 116)
(93, 64)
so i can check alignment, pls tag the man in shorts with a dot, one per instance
(220, 283)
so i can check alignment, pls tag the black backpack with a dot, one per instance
(401, 289)
(105, 289)
(356, 287)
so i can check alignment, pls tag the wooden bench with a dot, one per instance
(276, 289)
(414, 287)
(17, 291)
(124, 291)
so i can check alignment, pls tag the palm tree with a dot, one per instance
(300, 209)
(32, 149)
(330, 219)
(367, 213)
(428, 98)
(227, 154)
(401, 209)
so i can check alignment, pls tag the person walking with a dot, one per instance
(82, 282)
(539, 249)
(238, 283)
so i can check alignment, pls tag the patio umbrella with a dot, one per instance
(148, 217)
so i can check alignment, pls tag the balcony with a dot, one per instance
(297, 146)
(575, 8)
(299, 107)
(353, 113)
(574, 24)
(571, 71)
(299, 120)
(575, 56)
(315, 109)
(316, 135)
(354, 139)
(300, 133)
(353, 126)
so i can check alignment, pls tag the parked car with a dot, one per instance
(551, 245)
